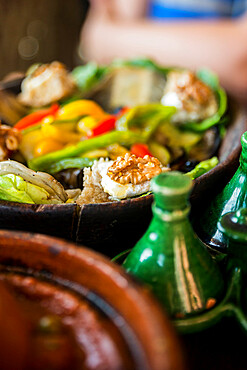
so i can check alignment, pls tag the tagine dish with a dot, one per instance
(99, 134)
(135, 122)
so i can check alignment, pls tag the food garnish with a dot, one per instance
(132, 169)
(9, 141)
(127, 176)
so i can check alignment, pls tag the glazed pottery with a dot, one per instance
(170, 258)
(233, 302)
(147, 337)
(234, 226)
(231, 198)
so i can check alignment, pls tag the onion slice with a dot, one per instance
(41, 179)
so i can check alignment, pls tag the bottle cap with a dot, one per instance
(171, 190)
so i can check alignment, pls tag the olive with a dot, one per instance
(189, 166)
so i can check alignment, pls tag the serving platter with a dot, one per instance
(148, 340)
(116, 226)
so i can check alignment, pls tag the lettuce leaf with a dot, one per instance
(141, 63)
(14, 189)
(87, 75)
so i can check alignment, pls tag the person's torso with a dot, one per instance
(197, 9)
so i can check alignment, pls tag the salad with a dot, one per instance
(99, 134)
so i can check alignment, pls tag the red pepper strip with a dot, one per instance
(35, 117)
(104, 126)
(140, 150)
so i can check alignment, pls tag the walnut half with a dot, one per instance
(9, 141)
(133, 169)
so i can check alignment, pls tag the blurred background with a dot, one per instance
(39, 31)
(186, 33)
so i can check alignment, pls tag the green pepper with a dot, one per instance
(122, 137)
(145, 118)
(202, 168)
(160, 152)
(76, 162)
(217, 118)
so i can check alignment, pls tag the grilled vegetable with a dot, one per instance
(35, 117)
(19, 183)
(123, 137)
(141, 81)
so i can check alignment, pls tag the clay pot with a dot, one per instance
(134, 322)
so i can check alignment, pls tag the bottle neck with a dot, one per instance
(243, 161)
(165, 215)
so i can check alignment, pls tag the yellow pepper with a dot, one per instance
(97, 153)
(47, 120)
(46, 146)
(62, 136)
(80, 108)
(86, 124)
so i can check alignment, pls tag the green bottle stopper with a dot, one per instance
(170, 258)
(231, 198)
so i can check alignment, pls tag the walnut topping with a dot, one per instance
(133, 169)
(9, 141)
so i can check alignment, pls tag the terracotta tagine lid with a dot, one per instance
(76, 309)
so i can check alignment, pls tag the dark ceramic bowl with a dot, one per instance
(129, 312)
(113, 227)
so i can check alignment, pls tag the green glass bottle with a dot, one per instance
(231, 198)
(170, 258)
(234, 226)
